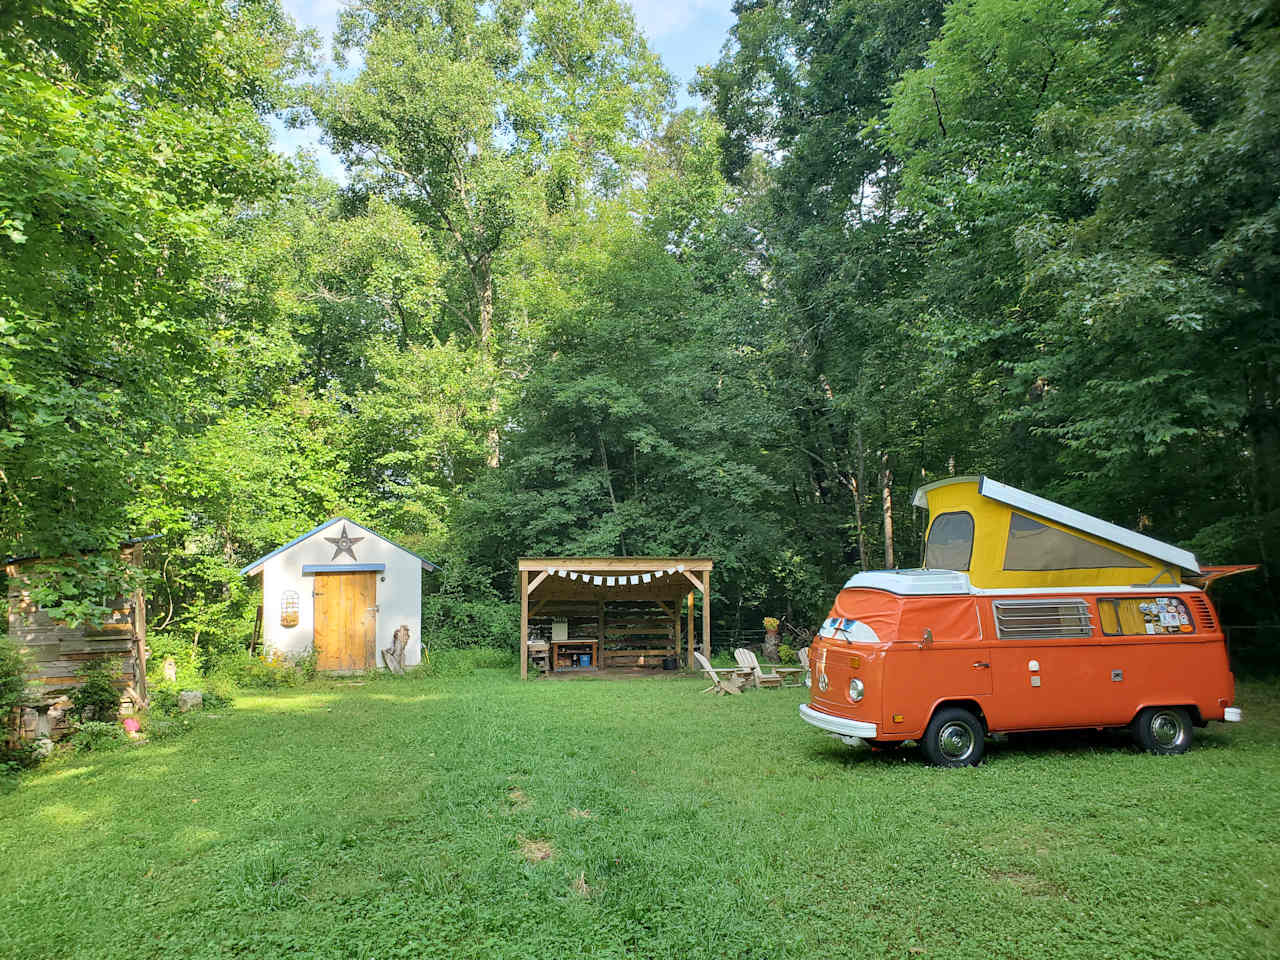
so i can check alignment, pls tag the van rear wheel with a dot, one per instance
(1163, 730)
(954, 738)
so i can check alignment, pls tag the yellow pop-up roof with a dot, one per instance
(1005, 537)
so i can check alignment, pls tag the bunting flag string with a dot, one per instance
(625, 580)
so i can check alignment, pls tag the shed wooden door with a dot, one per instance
(346, 617)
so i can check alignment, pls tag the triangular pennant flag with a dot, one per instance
(645, 577)
(670, 570)
(634, 580)
(608, 581)
(596, 581)
(573, 575)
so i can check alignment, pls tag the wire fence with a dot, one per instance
(1254, 650)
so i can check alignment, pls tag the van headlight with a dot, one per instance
(856, 689)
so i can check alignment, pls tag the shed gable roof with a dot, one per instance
(256, 565)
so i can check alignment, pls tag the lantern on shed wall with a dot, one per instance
(289, 608)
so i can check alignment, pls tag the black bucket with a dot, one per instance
(668, 663)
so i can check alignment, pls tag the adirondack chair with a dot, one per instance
(747, 660)
(732, 682)
(803, 654)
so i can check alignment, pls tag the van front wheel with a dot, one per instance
(1163, 730)
(954, 738)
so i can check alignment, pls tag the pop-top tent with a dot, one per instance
(1003, 537)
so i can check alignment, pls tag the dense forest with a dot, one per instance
(550, 313)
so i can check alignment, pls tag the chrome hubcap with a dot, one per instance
(955, 740)
(1165, 729)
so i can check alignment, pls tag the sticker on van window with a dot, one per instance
(1148, 615)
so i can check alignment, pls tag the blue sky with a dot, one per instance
(685, 34)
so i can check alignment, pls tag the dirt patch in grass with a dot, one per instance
(1028, 883)
(535, 851)
(579, 814)
(518, 799)
(580, 886)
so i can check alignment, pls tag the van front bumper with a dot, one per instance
(840, 726)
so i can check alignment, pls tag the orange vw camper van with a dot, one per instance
(1027, 615)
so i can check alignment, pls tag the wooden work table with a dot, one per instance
(585, 646)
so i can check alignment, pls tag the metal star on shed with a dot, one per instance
(343, 544)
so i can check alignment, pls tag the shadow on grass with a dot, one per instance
(1014, 746)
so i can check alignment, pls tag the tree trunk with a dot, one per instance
(484, 297)
(886, 493)
(608, 479)
(857, 502)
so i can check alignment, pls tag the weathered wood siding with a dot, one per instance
(58, 652)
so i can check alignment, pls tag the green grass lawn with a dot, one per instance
(393, 819)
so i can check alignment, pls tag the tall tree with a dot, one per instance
(128, 129)
(481, 118)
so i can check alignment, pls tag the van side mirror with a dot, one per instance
(926, 640)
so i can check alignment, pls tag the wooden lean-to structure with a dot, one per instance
(589, 613)
(58, 651)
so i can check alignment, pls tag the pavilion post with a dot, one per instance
(600, 664)
(524, 624)
(706, 614)
(689, 629)
(675, 625)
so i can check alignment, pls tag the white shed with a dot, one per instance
(342, 590)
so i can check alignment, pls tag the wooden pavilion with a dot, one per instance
(593, 612)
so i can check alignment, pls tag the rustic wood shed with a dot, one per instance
(58, 651)
(593, 612)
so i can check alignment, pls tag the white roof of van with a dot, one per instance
(911, 583)
(937, 583)
(1074, 519)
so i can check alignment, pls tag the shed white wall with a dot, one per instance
(399, 591)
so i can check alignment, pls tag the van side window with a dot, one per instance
(1134, 616)
(950, 543)
(1042, 619)
(1033, 545)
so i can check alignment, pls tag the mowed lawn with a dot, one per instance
(398, 818)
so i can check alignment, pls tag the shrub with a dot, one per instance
(243, 669)
(164, 700)
(13, 683)
(461, 663)
(15, 759)
(306, 666)
(98, 736)
(787, 654)
(452, 622)
(97, 697)
(219, 689)
(187, 657)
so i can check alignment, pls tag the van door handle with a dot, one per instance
(982, 665)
